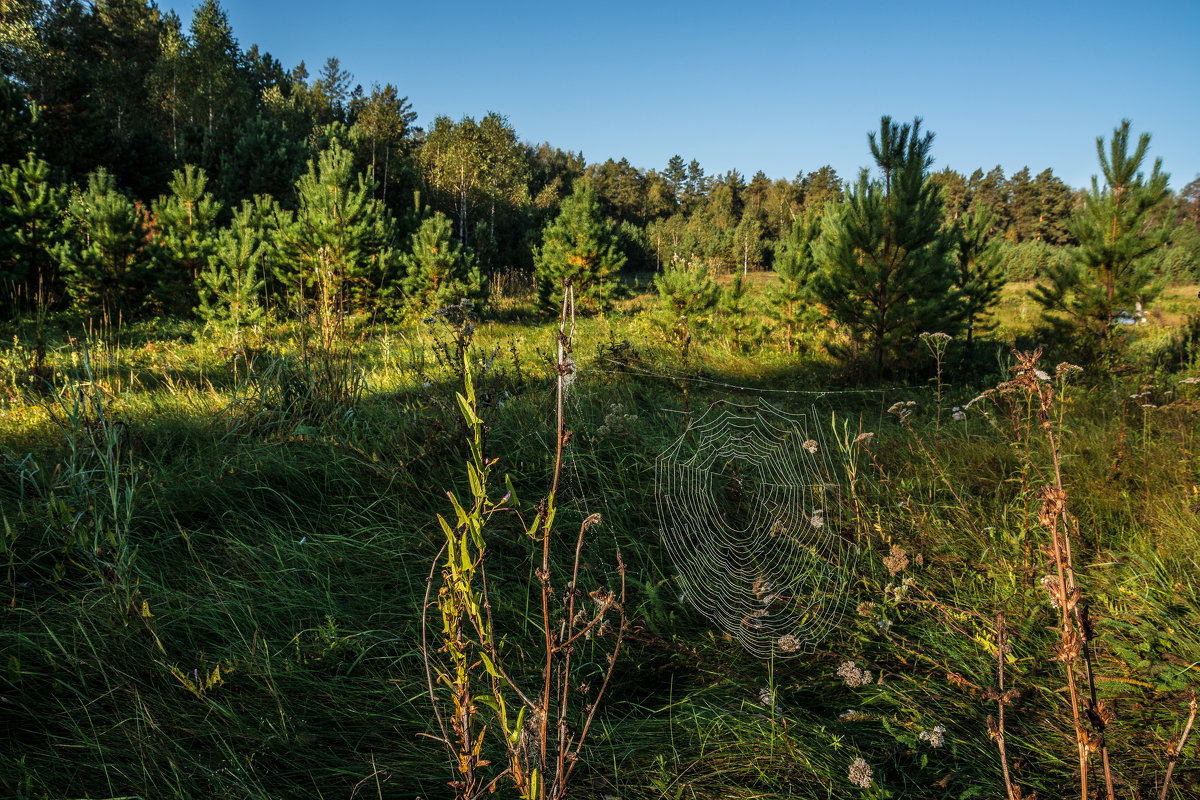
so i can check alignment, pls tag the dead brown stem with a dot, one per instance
(1001, 701)
(1176, 750)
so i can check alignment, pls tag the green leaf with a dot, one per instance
(467, 410)
(476, 483)
(446, 527)
(485, 700)
(458, 509)
(489, 666)
(516, 731)
(512, 493)
(466, 560)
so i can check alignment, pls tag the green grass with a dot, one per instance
(287, 545)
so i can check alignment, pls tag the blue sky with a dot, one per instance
(776, 86)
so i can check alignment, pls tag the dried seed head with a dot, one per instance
(935, 737)
(861, 774)
(1054, 502)
(897, 560)
(853, 675)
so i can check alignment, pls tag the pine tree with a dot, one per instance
(1110, 272)
(980, 274)
(185, 221)
(30, 228)
(339, 244)
(956, 196)
(676, 176)
(885, 271)
(231, 285)
(266, 158)
(1054, 209)
(686, 293)
(581, 245)
(991, 191)
(789, 299)
(1023, 205)
(438, 270)
(736, 311)
(821, 188)
(108, 260)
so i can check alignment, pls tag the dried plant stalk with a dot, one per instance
(1175, 750)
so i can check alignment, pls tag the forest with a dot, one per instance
(348, 453)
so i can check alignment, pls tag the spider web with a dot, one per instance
(751, 515)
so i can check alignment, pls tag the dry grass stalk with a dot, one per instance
(1075, 630)
(1174, 750)
(1003, 698)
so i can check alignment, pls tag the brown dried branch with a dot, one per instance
(1176, 750)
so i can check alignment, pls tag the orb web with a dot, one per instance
(750, 513)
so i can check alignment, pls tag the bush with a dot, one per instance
(1028, 261)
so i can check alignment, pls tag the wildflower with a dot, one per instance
(811, 446)
(897, 560)
(935, 737)
(1042, 375)
(898, 593)
(860, 773)
(850, 716)
(958, 413)
(903, 409)
(865, 608)
(939, 336)
(884, 625)
(1190, 381)
(765, 697)
(853, 675)
(1066, 369)
(788, 643)
(818, 518)
(863, 437)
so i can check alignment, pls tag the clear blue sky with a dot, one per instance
(776, 86)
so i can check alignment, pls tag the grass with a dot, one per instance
(264, 640)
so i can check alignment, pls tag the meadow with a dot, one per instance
(216, 552)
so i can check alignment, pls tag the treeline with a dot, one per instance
(150, 167)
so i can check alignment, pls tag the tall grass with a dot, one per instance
(264, 642)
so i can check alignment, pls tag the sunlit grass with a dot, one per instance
(272, 650)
